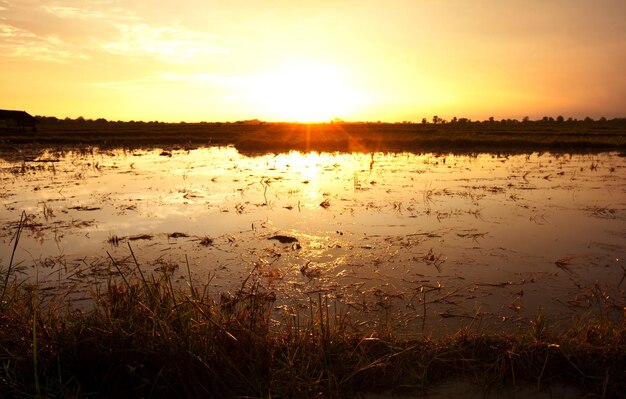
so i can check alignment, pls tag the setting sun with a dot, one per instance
(305, 92)
(312, 61)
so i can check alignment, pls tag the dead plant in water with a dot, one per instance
(152, 339)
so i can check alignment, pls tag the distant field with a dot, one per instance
(259, 137)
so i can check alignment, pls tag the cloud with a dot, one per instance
(164, 43)
(21, 43)
(74, 12)
(78, 30)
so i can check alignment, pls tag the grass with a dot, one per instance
(467, 137)
(145, 338)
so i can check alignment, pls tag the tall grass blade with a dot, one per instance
(16, 240)
(35, 349)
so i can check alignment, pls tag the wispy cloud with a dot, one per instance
(165, 43)
(74, 30)
(21, 43)
(74, 12)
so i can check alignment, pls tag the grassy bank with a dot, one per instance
(144, 338)
(254, 138)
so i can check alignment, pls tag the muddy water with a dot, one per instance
(418, 242)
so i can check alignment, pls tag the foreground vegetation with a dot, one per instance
(255, 137)
(142, 337)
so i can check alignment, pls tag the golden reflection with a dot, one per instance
(311, 171)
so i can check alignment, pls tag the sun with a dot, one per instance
(306, 92)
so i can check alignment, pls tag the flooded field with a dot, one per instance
(417, 242)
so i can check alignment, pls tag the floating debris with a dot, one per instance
(602, 212)
(177, 235)
(283, 239)
(310, 272)
(564, 261)
(206, 241)
(85, 208)
(140, 237)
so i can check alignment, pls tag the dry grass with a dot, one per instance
(144, 338)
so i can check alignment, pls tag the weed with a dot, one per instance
(206, 241)
(143, 337)
(113, 240)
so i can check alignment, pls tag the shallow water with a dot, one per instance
(420, 242)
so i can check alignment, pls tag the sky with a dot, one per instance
(279, 60)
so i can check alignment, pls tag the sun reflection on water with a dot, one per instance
(390, 220)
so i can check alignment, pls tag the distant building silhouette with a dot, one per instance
(17, 121)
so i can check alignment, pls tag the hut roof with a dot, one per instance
(17, 116)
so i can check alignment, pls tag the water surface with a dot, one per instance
(418, 241)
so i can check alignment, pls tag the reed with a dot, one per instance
(145, 338)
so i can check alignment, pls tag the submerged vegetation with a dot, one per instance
(143, 337)
(456, 136)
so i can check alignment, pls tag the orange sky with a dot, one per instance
(394, 60)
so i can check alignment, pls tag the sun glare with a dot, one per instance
(306, 92)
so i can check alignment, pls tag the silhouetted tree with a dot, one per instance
(435, 119)
(560, 118)
(424, 121)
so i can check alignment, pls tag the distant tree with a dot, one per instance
(602, 119)
(424, 121)
(435, 119)
(491, 119)
(80, 119)
(526, 119)
(588, 119)
(454, 120)
(560, 118)
(464, 120)
(41, 118)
